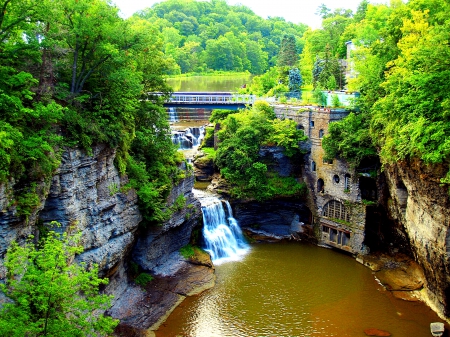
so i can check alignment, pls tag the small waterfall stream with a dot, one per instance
(223, 236)
(188, 138)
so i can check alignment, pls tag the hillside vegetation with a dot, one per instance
(202, 36)
(402, 62)
(74, 73)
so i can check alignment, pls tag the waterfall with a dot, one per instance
(173, 115)
(188, 138)
(223, 236)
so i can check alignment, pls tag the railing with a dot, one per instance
(213, 98)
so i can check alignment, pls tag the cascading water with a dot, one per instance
(189, 138)
(223, 237)
(173, 115)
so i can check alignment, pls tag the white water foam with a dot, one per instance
(223, 236)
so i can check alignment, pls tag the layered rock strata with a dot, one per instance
(419, 205)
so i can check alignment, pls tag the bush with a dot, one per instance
(50, 294)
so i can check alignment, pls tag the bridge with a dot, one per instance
(210, 100)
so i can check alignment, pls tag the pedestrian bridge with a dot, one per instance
(209, 99)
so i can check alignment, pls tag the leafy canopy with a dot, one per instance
(237, 156)
(51, 295)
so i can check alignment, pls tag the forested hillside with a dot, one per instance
(74, 73)
(402, 65)
(202, 36)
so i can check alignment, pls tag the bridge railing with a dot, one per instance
(213, 98)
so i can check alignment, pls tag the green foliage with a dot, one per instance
(218, 115)
(403, 79)
(335, 103)
(50, 293)
(237, 156)
(93, 92)
(288, 55)
(209, 152)
(142, 279)
(187, 251)
(204, 36)
(208, 139)
(320, 97)
(349, 139)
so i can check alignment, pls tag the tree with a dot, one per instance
(295, 80)
(288, 55)
(51, 294)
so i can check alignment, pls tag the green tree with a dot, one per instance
(288, 55)
(51, 294)
(295, 80)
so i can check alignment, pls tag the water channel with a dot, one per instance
(295, 289)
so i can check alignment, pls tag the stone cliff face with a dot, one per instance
(419, 206)
(156, 247)
(86, 194)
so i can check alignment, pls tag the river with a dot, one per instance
(296, 289)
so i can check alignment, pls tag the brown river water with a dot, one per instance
(296, 289)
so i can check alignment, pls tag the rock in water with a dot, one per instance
(376, 332)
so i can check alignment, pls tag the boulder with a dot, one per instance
(403, 276)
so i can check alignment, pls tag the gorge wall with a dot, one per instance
(87, 194)
(419, 206)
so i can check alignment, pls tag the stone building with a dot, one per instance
(336, 199)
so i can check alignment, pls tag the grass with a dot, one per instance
(187, 251)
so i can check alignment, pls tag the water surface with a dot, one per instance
(294, 289)
(208, 83)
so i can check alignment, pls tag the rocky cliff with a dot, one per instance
(419, 206)
(84, 195)
(87, 194)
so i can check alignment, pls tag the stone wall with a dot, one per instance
(328, 181)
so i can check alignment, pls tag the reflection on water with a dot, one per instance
(296, 290)
(208, 83)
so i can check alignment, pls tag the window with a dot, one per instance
(336, 210)
(347, 182)
(320, 185)
(311, 123)
(321, 133)
(336, 179)
(313, 166)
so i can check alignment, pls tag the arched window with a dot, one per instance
(336, 179)
(336, 210)
(313, 166)
(321, 133)
(320, 185)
